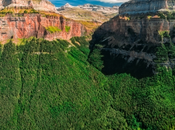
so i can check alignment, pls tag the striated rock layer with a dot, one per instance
(144, 6)
(129, 43)
(41, 5)
(35, 25)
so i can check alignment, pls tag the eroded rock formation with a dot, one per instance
(130, 42)
(144, 6)
(35, 25)
(41, 5)
(1, 5)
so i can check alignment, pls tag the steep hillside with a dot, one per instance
(85, 15)
(90, 18)
(50, 85)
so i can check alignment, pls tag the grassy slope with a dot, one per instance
(50, 85)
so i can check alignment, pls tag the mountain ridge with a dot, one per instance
(91, 16)
(91, 7)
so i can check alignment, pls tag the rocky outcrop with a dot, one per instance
(90, 7)
(129, 43)
(146, 6)
(34, 25)
(1, 5)
(44, 5)
(130, 31)
(40, 5)
(67, 5)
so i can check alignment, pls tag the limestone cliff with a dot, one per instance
(35, 25)
(129, 42)
(144, 6)
(1, 5)
(41, 5)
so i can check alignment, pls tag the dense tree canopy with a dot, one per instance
(57, 85)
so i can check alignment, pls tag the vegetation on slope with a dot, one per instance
(53, 29)
(51, 85)
(90, 19)
(85, 15)
(67, 28)
(22, 11)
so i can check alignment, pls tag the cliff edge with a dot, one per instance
(146, 6)
(137, 43)
(35, 18)
(35, 25)
(40, 5)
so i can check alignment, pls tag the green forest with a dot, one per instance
(57, 85)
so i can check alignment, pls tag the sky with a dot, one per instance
(109, 3)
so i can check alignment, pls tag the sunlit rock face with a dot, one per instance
(144, 6)
(41, 5)
(1, 6)
(34, 25)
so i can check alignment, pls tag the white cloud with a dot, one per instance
(113, 1)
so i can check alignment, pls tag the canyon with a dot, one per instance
(91, 16)
(129, 41)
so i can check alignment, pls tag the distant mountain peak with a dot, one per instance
(68, 5)
(91, 7)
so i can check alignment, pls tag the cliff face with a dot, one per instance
(35, 25)
(1, 5)
(130, 43)
(143, 6)
(130, 31)
(41, 5)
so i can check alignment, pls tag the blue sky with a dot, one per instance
(59, 3)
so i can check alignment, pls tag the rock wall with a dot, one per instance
(41, 5)
(138, 39)
(129, 46)
(1, 5)
(35, 25)
(144, 29)
(144, 6)
(44, 5)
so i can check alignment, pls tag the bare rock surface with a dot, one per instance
(40, 5)
(130, 39)
(1, 5)
(90, 7)
(146, 6)
(34, 25)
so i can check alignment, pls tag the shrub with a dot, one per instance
(53, 29)
(164, 34)
(161, 15)
(34, 11)
(25, 11)
(67, 28)
(149, 17)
